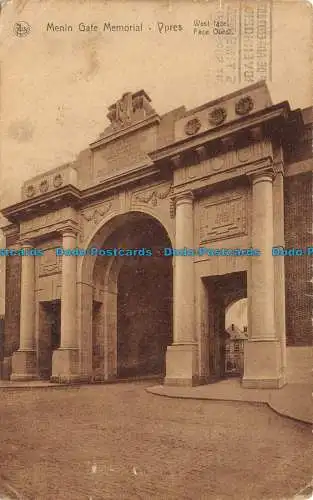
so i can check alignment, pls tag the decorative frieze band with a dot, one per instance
(49, 181)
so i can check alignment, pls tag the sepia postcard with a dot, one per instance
(156, 246)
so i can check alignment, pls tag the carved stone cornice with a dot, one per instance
(256, 133)
(279, 111)
(68, 195)
(11, 230)
(176, 161)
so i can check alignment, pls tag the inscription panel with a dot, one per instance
(123, 154)
(223, 162)
(50, 263)
(223, 217)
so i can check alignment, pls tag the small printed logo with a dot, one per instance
(21, 28)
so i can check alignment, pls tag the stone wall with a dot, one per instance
(298, 233)
(12, 305)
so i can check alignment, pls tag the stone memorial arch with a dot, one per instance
(234, 173)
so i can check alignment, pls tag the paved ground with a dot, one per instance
(293, 400)
(120, 442)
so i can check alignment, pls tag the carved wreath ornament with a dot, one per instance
(57, 181)
(217, 116)
(44, 186)
(30, 191)
(244, 105)
(192, 126)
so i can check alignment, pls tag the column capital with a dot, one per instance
(266, 175)
(69, 231)
(184, 198)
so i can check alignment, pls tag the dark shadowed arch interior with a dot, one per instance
(144, 303)
(222, 291)
(132, 301)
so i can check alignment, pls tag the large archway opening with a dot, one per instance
(226, 324)
(132, 309)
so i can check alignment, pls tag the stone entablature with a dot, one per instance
(127, 151)
(51, 181)
(49, 223)
(124, 148)
(232, 163)
(222, 111)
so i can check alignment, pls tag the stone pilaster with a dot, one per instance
(182, 355)
(24, 361)
(263, 366)
(65, 361)
(279, 264)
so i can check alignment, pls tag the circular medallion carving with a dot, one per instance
(244, 105)
(30, 191)
(57, 180)
(193, 126)
(44, 186)
(217, 116)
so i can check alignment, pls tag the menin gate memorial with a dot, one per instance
(233, 173)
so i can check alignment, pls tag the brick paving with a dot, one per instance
(120, 442)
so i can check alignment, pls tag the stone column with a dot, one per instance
(262, 353)
(279, 264)
(65, 361)
(68, 296)
(24, 361)
(182, 356)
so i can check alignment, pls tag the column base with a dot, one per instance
(263, 383)
(6, 368)
(24, 366)
(182, 365)
(263, 368)
(65, 367)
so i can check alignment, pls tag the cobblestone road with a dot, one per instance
(119, 442)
